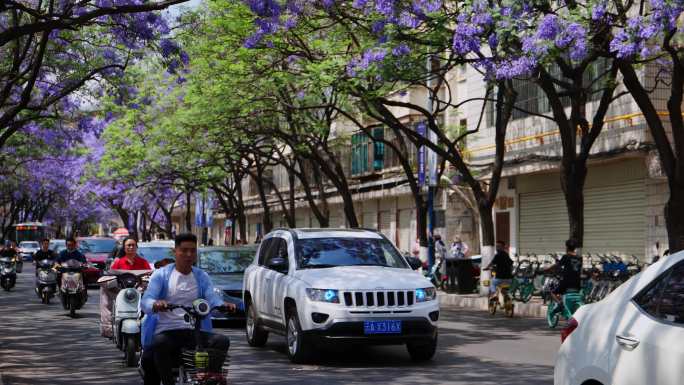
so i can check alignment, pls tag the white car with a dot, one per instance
(635, 336)
(27, 248)
(315, 285)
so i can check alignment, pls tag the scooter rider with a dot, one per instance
(164, 333)
(44, 253)
(129, 261)
(570, 269)
(10, 251)
(71, 252)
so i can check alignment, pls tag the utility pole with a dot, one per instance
(432, 170)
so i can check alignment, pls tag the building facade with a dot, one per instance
(624, 193)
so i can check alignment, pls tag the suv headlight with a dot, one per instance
(427, 294)
(323, 295)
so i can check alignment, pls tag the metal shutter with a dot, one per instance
(386, 224)
(404, 229)
(336, 221)
(614, 220)
(370, 220)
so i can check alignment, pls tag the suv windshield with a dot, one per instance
(225, 261)
(97, 245)
(332, 252)
(28, 245)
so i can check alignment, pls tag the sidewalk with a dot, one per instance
(534, 308)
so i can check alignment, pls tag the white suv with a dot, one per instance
(314, 285)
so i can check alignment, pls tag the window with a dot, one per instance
(277, 249)
(359, 161)
(664, 299)
(330, 252)
(440, 218)
(532, 99)
(672, 302)
(264, 251)
(366, 153)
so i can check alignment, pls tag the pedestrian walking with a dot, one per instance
(456, 253)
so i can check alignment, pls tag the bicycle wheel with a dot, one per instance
(492, 306)
(552, 316)
(509, 308)
(526, 293)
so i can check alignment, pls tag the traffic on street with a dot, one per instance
(213, 192)
(42, 345)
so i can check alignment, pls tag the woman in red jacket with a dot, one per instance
(108, 288)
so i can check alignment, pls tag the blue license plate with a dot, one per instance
(382, 327)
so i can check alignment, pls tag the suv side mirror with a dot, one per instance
(414, 262)
(278, 264)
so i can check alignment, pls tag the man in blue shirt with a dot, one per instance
(166, 333)
(71, 252)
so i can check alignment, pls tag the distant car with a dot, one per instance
(96, 251)
(27, 248)
(632, 337)
(57, 245)
(226, 266)
(156, 251)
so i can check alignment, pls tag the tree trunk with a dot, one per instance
(573, 177)
(671, 160)
(188, 212)
(266, 217)
(291, 218)
(674, 218)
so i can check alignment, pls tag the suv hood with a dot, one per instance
(362, 278)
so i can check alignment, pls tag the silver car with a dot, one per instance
(27, 248)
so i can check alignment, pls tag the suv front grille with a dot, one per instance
(389, 298)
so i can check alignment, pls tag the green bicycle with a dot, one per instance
(571, 301)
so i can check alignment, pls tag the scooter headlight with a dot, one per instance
(7, 270)
(130, 295)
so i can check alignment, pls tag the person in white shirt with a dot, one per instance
(457, 252)
(165, 333)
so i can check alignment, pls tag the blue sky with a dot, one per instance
(175, 9)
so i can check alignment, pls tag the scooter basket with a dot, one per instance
(205, 367)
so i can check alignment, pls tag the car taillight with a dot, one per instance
(566, 331)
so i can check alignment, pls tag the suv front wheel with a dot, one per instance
(422, 350)
(298, 350)
(256, 336)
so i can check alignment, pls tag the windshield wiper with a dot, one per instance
(318, 266)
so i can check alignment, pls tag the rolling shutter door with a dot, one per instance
(404, 229)
(614, 220)
(543, 222)
(336, 222)
(369, 220)
(386, 224)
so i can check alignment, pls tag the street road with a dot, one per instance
(40, 344)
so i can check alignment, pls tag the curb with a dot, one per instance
(535, 308)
